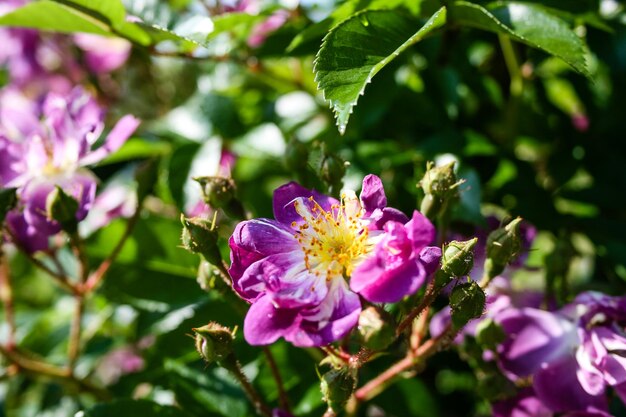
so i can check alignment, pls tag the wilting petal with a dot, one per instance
(265, 324)
(557, 386)
(331, 320)
(116, 138)
(284, 197)
(535, 338)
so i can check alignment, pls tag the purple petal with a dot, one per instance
(256, 239)
(605, 349)
(421, 231)
(558, 387)
(103, 54)
(535, 338)
(27, 236)
(439, 322)
(116, 138)
(429, 257)
(384, 215)
(373, 194)
(284, 197)
(264, 324)
(331, 320)
(525, 404)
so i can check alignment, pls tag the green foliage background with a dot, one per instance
(497, 85)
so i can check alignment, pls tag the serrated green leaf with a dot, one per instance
(358, 48)
(527, 24)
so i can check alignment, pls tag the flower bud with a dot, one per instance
(214, 342)
(8, 200)
(458, 257)
(503, 245)
(220, 192)
(376, 328)
(333, 169)
(467, 302)
(62, 208)
(440, 187)
(337, 386)
(442, 279)
(199, 237)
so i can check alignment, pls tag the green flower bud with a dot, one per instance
(442, 279)
(489, 334)
(440, 186)
(220, 192)
(503, 245)
(62, 208)
(376, 327)
(199, 237)
(458, 257)
(214, 342)
(467, 302)
(333, 169)
(337, 386)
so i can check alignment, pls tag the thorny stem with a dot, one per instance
(428, 299)
(6, 294)
(233, 365)
(283, 400)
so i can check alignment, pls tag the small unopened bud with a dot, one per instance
(458, 257)
(503, 245)
(467, 302)
(333, 169)
(214, 342)
(199, 237)
(220, 192)
(62, 208)
(337, 386)
(489, 334)
(440, 186)
(8, 200)
(376, 328)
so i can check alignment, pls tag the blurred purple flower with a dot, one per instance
(525, 404)
(103, 54)
(261, 31)
(294, 269)
(573, 354)
(37, 157)
(119, 362)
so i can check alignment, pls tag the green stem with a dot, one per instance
(234, 367)
(512, 64)
(6, 294)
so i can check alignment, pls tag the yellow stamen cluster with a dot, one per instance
(333, 241)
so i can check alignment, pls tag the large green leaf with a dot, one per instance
(526, 23)
(57, 17)
(358, 48)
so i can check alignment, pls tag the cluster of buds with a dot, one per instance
(337, 386)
